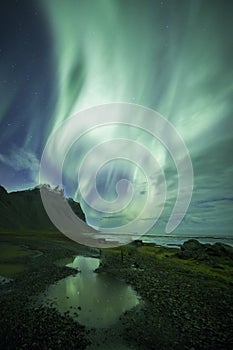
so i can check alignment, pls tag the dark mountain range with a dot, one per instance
(24, 210)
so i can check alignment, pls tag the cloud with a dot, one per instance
(22, 159)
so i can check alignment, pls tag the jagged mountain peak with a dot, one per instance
(24, 209)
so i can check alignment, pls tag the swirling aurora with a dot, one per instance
(60, 57)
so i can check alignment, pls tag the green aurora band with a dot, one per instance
(174, 60)
(171, 56)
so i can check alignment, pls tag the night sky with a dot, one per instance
(59, 57)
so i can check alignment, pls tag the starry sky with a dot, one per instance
(173, 56)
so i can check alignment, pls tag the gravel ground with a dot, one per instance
(23, 326)
(180, 309)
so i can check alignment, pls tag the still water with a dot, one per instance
(95, 300)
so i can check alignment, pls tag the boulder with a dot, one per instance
(191, 245)
(193, 249)
(220, 249)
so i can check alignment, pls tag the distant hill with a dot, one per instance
(24, 210)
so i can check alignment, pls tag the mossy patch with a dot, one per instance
(10, 270)
(10, 259)
(13, 251)
(222, 271)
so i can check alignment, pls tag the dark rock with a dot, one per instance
(192, 249)
(220, 249)
(191, 245)
(137, 242)
(136, 265)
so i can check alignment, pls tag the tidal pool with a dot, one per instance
(95, 300)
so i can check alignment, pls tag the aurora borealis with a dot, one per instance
(60, 57)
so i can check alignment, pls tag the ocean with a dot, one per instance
(161, 240)
(176, 241)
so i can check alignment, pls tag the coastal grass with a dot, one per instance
(217, 271)
(221, 268)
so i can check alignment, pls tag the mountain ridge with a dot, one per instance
(24, 209)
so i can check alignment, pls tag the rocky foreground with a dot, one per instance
(187, 293)
(25, 326)
(186, 298)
